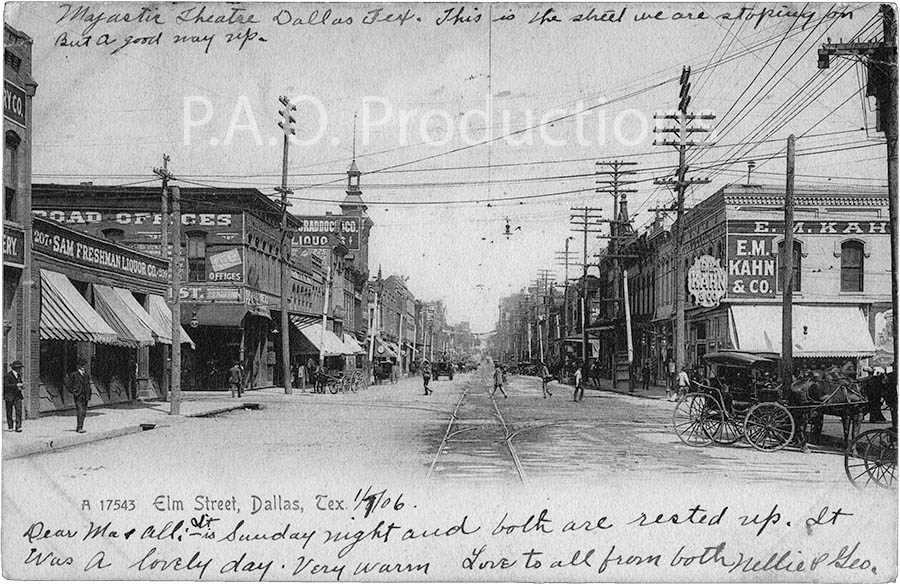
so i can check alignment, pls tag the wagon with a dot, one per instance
(871, 458)
(743, 403)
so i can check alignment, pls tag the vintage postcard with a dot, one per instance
(450, 292)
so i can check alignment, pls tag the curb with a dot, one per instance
(631, 394)
(65, 442)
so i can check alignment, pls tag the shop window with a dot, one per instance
(852, 263)
(795, 269)
(114, 234)
(10, 174)
(196, 256)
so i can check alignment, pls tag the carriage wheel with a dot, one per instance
(696, 418)
(872, 458)
(769, 426)
(729, 432)
(333, 387)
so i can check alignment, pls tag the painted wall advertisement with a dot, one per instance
(707, 281)
(317, 229)
(227, 266)
(751, 266)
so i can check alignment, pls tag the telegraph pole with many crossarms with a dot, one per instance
(586, 221)
(881, 68)
(287, 126)
(682, 129)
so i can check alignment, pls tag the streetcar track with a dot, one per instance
(509, 445)
(447, 434)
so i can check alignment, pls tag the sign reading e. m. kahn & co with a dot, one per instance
(707, 281)
(13, 246)
(56, 241)
(14, 103)
(751, 266)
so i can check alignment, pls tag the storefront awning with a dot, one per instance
(352, 346)
(163, 315)
(385, 349)
(319, 338)
(818, 331)
(67, 316)
(129, 328)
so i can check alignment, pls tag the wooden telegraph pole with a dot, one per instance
(881, 65)
(287, 126)
(166, 176)
(585, 221)
(175, 267)
(787, 280)
(683, 130)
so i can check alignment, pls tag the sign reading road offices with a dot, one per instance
(707, 281)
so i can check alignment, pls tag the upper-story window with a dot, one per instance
(852, 264)
(114, 234)
(795, 269)
(196, 256)
(10, 174)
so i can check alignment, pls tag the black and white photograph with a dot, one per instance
(452, 292)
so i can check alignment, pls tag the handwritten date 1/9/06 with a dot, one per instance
(372, 500)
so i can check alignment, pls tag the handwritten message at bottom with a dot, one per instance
(372, 532)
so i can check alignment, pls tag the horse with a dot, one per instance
(877, 388)
(835, 395)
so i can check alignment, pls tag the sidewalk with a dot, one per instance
(654, 392)
(57, 431)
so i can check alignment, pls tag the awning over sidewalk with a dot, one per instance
(67, 316)
(319, 338)
(818, 331)
(386, 349)
(130, 329)
(352, 346)
(160, 311)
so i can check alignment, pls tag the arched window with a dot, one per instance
(10, 174)
(196, 256)
(798, 255)
(852, 261)
(114, 234)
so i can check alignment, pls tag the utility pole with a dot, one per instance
(614, 185)
(287, 126)
(881, 66)
(372, 337)
(787, 280)
(166, 176)
(585, 221)
(563, 258)
(325, 315)
(175, 267)
(683, 130)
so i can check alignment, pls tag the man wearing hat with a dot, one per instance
(79, 384)
(12, 394)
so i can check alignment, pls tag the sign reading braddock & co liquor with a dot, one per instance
(707, 281)
(316, 230)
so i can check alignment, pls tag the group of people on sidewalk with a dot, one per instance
(77, 383)
(546, 378)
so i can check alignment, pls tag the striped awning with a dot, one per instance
(352, 346)
(163, 315)
(67, 316)
(322, 339)
(131, 330)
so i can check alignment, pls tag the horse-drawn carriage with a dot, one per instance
(742, 399)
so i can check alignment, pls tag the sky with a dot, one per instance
(466, 117)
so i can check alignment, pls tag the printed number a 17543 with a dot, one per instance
(117, 505)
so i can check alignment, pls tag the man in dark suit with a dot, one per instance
(12, 395)
(79, 384)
